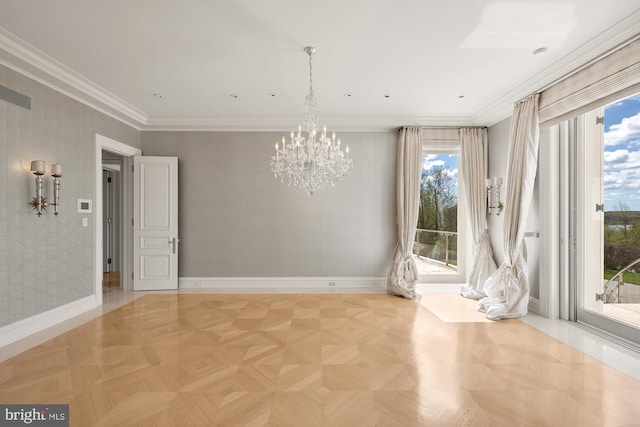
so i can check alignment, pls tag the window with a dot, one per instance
(440, 243)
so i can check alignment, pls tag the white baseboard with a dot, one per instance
(290, 283)
(534, 305)
(29, 326)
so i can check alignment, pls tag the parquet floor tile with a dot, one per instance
(314, 360)
(297, 408)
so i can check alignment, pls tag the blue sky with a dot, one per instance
(622, 153)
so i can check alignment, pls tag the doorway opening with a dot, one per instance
(607, 223)
(440, 244)
(126, 152)
(112, 216)
(436, 242)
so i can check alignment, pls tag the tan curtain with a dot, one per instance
(473, 170)
(404, 274)
(508, 288)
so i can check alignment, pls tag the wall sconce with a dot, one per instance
(56, 173)
(39, 203)
(493, 195)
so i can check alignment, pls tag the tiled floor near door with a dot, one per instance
(314, 360)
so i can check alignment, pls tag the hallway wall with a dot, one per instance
(47, 262)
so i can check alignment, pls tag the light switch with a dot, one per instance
(85, 222)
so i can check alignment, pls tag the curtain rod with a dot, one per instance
(451, 127)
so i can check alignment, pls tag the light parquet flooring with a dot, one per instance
(111, 280)
(313, 360)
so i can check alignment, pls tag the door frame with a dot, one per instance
(127, 152)
(598, 323)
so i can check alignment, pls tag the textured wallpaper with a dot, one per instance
(47, 262)
(236, 220)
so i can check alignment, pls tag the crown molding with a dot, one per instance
(287, 124)
(26, 59)
(607, 41)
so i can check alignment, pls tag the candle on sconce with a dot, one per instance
(489, 182)
(56, 170)
(497, 181)
(38, 167)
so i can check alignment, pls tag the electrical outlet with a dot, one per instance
(332, 283)
(197, 284)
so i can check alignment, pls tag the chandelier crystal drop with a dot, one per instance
(311, 159)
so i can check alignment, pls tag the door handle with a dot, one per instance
(174, 242)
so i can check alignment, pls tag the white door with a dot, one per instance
(155, 224)
(593, 210)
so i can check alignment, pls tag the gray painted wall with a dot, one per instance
(236, 220)
(47, 262)
(498, 152)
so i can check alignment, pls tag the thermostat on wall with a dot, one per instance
(85, 206)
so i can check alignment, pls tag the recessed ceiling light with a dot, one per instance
(271, 95)
(158, 95)
(540, 51)
(348, 95)
(234, 95)
(386, 95)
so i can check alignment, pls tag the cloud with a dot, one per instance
(616, 157)
(625, 132)
(622, 163)
(453, 173)
(431, 160)
(622, 178)
(622, 159)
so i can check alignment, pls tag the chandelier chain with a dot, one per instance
(310, 73)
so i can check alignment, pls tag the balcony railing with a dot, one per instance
(617, 291)
(437, 245)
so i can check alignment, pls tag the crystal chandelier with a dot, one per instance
(314, 161)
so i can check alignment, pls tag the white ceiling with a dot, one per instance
(424, 54)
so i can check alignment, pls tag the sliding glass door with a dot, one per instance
(606, 191)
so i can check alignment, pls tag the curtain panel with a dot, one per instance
(404, 273)
(473, 144)
(508, 288)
